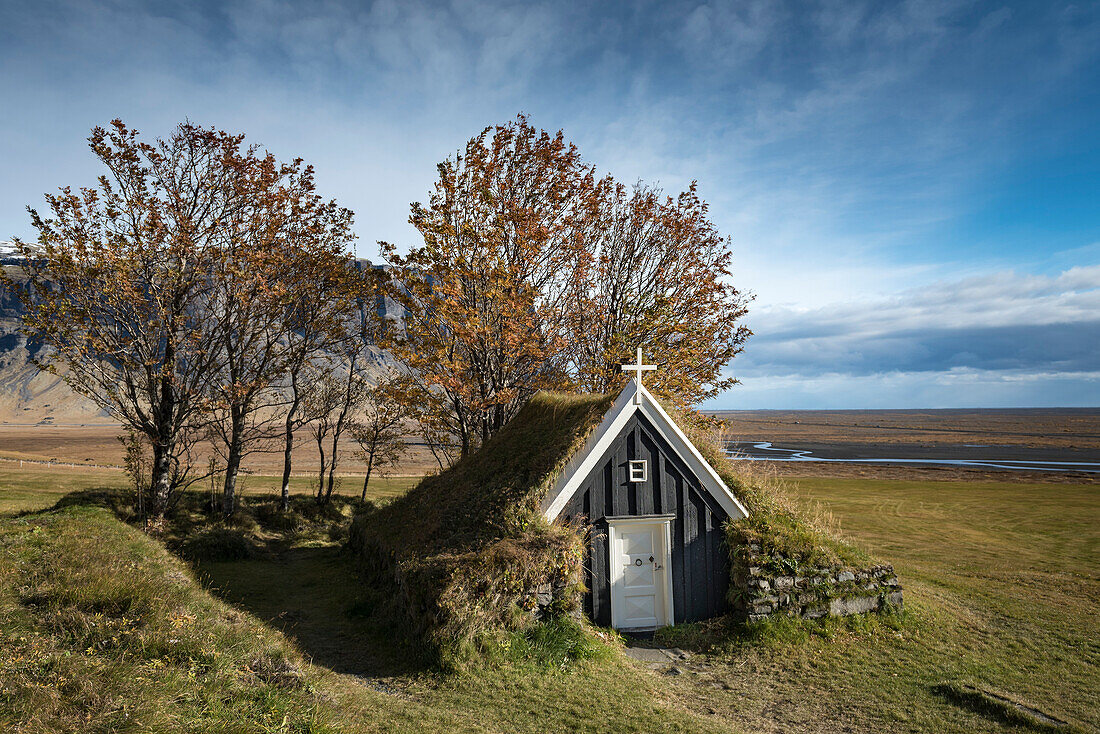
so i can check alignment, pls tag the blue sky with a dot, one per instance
(911, 188)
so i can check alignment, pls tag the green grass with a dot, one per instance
(101, 629)
(543, 683)
(1002, 591)
(1002, 594)
(35, 487)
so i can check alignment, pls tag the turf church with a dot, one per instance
(655, 508)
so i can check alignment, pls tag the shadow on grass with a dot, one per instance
(314, 596)
(1003, 709)
(285, 569)
(118, 501)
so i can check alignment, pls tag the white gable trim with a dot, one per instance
(584, 461)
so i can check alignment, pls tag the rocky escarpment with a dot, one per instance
(29, 396)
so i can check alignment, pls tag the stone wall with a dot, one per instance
(760, 592)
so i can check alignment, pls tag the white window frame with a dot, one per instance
(638, 470)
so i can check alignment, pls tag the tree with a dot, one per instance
(660, 279)
(533, 274)
(279, 233)
(118, 286)
(379, 429)
(487, 293)
(335, 398)
(319, 314)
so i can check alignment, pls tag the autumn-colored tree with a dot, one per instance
(659, 278)
(118, 286)
(379, 429)
(534, 274)
(322, 313)
(487, 294)
(276, 225)
(163, 292)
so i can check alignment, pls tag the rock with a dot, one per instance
(674, 671)
(815, 612)
(894, 598)
(783, 582)
(763, 584)
(648, 654)
(845, 576)
(853, 605)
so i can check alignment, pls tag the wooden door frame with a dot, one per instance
(665, 521)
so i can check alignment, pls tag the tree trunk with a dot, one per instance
(288, 449)
(232, 466)
(332, 468)
(286, 466)
(229, 492)
(366, 480)
(160, 479)
(321, 474)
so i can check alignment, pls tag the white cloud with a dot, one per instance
(956, 388)
(1002, 338)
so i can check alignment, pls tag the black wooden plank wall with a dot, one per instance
(700, 559)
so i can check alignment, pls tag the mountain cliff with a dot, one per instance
(29, 396)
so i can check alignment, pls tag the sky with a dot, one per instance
(912, 189)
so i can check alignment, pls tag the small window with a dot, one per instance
(638, 470)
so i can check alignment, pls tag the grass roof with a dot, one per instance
(494, 492)
(468, 548)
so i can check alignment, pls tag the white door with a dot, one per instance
(641, 580)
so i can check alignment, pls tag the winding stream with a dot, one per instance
(778, 454)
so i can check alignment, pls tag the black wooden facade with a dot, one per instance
(700, 559)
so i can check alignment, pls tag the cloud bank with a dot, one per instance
(1004, 339)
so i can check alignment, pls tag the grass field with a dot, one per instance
(1002, 588)
(36, 487)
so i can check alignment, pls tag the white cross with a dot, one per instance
(638, 368)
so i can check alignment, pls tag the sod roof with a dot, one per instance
(494, 492)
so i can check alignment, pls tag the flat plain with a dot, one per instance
(1069, 429)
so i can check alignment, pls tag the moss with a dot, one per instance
(218, 543)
